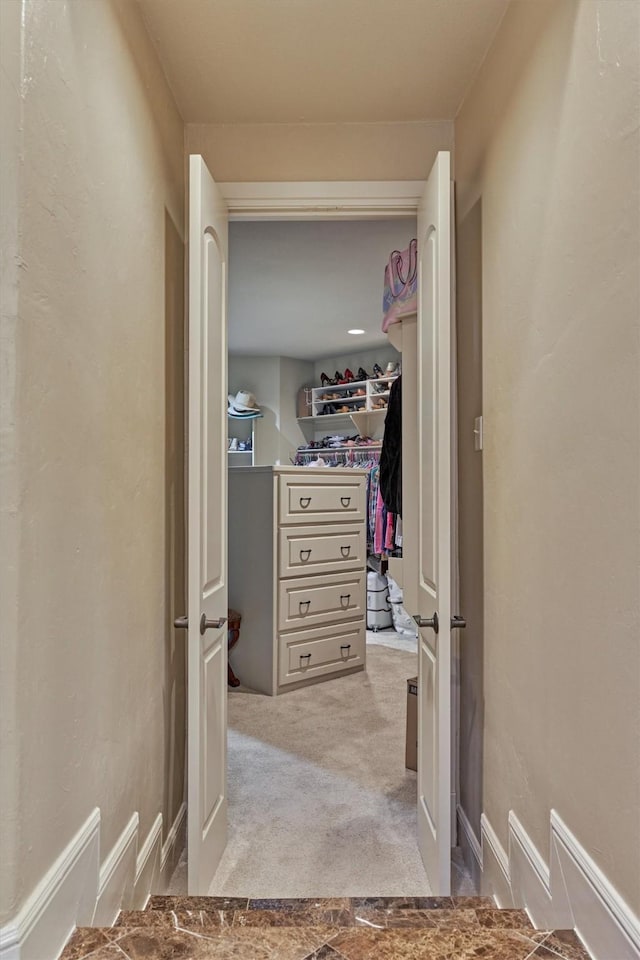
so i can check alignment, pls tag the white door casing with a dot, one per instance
(433, 582)
(207, 529)
(434, 525)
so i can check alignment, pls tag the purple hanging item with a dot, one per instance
(400, 285)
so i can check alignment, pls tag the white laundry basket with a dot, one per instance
(379, 615)
(402, 622)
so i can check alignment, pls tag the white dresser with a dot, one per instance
(297, 561)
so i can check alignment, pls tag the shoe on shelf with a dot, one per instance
(325, 380)
(362, 374)
(377, 370)
(233, 445)
(348, 377)
(393, 369)
(338, 378)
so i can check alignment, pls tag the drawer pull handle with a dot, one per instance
(345, 551)
(344, 598)
(308, 554)
(305, 656)
(306, 604)
(345, 501)
(304, 502)
(345, 646)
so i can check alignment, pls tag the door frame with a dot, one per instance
(349, 200)
(323, 200)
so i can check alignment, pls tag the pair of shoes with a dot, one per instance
(326, 381)
(346, 377)
(233, 443)
(377, 370)
(362, 374)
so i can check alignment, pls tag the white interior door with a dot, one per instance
(434, 526)
(207, 526)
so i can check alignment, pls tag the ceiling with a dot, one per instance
(315, 61)
(296, 287)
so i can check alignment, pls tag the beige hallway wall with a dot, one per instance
(319, 151)
(547, 140)
(94, 190)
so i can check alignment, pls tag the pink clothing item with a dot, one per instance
(378, 544)
(389, 540)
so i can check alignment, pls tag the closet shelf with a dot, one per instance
(325, 396)
(355, 447)
(368, 421)
(394, 332)
(327, 418)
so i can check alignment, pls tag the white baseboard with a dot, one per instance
(468, 833)
(117, 876)
(63, 899)
(495, 866)
(78, 891)
(570, 892)
(148, 866)
(173, 847)
(470, 846)
(531, 882)
(603, 920)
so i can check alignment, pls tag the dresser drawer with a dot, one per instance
(321, 549)
(324, 499)
(315, 653)
(305, 602)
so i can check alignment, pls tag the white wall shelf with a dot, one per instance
(245, 433)
(366, 410)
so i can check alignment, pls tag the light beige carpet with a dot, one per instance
(320, 802)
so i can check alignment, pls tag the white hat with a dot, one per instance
(244, 403)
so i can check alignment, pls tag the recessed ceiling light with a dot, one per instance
(355, 332)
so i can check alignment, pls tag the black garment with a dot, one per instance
(391, 454)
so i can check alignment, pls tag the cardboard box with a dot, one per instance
(411, 750)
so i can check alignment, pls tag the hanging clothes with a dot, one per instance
(373, 486)
(380, 523)
(391, 455)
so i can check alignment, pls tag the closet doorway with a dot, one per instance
(314, 805)
(258, 202)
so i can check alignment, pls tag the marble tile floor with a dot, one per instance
(374, 928)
